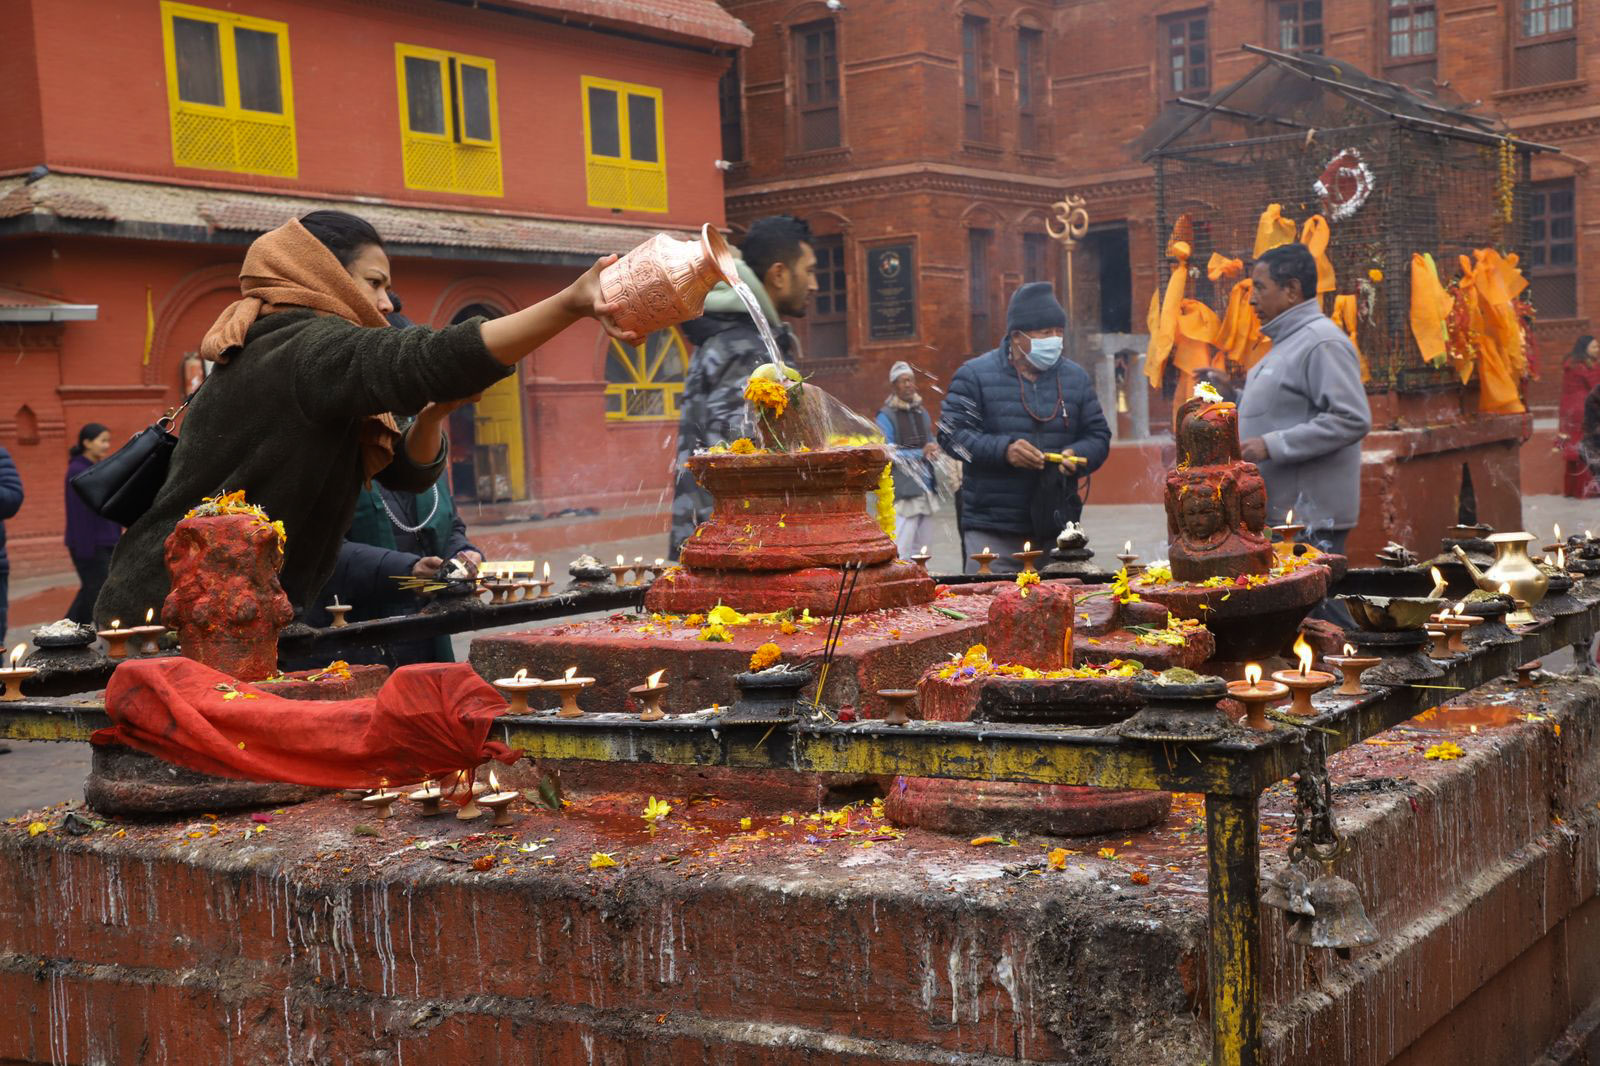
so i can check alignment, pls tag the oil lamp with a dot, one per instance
(1290, 529)
(545, 582)
(898, 701)
(1129, 559)
(1438, 583)
(1351, 666)
(381, 801)
(1526, 671)
(650, 694)
(469, 808)
(922, 556)
(1455, 621)
(497, 801)
(1027, 556)
(1439, 641)
(515, 689)
(1304, 681)
(116, 639)
(619, 573)
(149, 634)
(15, 674)
(983, 559)
(567, 688)
(338, 611)
(427, 797)
(1256, 694)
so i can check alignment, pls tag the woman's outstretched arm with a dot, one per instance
(513, 336)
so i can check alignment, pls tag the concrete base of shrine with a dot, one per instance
(318, 935)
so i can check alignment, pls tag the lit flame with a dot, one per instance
(1561, 558)
(16, 654)
(1461, 608)
(1027, 545)
(1587, 535)
(654, 680)
(1505, 588)
(149, 615)
(637, 559)
(1350, 651)
(660, 561)
(1303, 650)
(494, 782)
(572, 671)
(116, 623)
(520, 675)
(620, 561)
(986, 550)
(922, 550)
(1288, 519)
(1558, 532)
(1127, 547)
(1438, 581)
(1252, 674)
(1473, 728)
(547, 571)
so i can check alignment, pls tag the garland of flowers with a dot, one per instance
(227, 503)
(1506, 184)
(886, 501)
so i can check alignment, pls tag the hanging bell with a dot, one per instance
(1289, 891)
(1337, 921)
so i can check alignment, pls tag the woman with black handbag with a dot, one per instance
(298, 411)
(90, 538)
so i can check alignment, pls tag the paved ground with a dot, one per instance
(39, 773)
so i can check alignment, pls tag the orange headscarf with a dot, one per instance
(286, 268)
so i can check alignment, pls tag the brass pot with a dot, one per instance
(1512, 567)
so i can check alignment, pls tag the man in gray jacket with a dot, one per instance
(1303, 411)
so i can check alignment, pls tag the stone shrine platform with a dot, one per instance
(315, 934)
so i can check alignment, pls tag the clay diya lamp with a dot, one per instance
(1290, 529)
(1351, 666)
(650, 694)
(1455, 623)
(497, 801)
(567, 688)
(1027, 557)
(381, 801)
(116, 639)
(984, 559)
(545, 582)
(899, 701)
(501, 590)
(148, 635)
(1304, 681)
(427, 797)
(515, 689)
(1129, 559)
(1256, 694)
(1526, 671)
(619, 573)
(658, 568)
(338, 611)
(468, 809)
(922, 557)
(1439, 642)
(14, 675)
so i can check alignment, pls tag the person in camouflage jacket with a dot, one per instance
(778, 265)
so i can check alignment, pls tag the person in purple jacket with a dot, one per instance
(90, 538)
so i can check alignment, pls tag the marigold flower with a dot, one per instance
(764, 656)
(770, 396)
(1375, 275)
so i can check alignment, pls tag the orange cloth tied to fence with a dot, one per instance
(1221, 268)
(1239, 337)
(1165, 311)
(1494, 282)
(426, 722)
(1315, 236)
(1344, 316)
(1430, 307)
(1272, 230)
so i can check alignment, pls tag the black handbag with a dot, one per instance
(123, 485)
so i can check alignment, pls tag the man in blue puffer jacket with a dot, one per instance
(1005, 410)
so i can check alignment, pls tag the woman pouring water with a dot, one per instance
(299, 410)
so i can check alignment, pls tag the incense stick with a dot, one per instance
(831, 646)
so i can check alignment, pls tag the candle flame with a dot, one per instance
(1561, 558)
(1461, 607)
(654, 681)
(1473, 728)
(547, 571)
(1303, 650)
(1505, 588)
(494, 782)
(336, 602)
(1252, 673)
(149, 615)
(922, 550)
(660, 561)
(1288, 519)
(16, 654)
(1350, 651)
(520, 675)
(116, 623)
(1027, 545)
(1438, 581)
(1127, 547)
(572, 671)
(620, 561)
(986, 549)
(1587, 535)
(1558, 531)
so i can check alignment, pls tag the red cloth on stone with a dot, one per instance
(427, 721)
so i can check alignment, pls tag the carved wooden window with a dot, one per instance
(828, 322)
(980, 293)
(1185, 57)
(1545, 48)
(730, 102)
(1297, 25)
(1032, 94)
(1553, 248)
(975, 67)
(816, 58)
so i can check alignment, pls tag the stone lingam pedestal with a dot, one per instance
(1032, 627)
(227, 606)
(1225, 572)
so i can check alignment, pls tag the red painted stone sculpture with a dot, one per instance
(1216, 502)
(226, 602)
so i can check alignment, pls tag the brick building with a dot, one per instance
(942, 132)
(499, 149)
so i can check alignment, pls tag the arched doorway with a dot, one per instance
(487, 462)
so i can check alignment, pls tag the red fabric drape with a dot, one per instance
(427, 721)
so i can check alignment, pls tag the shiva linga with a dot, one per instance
(1027, 557)
(116, 639)
(14, 675)
(1513, 568)
(427, 798)
(499, 802)
(381, 801)
(567, 688)
(1351, 666)
(1256, 694)
(1304, 681)
(149, 634)
(515, 689)
(984, 559)
(651, 694)
(1216, 506)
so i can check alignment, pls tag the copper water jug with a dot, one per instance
(664, 281)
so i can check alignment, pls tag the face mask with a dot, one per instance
(1043, 352)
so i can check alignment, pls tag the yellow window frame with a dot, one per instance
(230, 137)
(642, 372)
(439, 162)
(621, 182)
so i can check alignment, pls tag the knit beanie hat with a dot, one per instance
(900, 369)
(1034, 306)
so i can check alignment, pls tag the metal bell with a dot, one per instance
(1337, 921)
(1289, 891)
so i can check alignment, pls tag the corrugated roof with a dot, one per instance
(701, 20)
(132, 207)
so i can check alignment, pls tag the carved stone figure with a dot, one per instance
(1216, 502)
(226, 603)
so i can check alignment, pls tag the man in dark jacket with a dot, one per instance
(779, 266)
(1006, 410)
(10, 504)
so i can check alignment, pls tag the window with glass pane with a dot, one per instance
(730, 102)
(199, 55)
(817, 58)
(974, 67)
(625, 165)
(1552, 258)
(979, 241)
(424, 95)
(476, 124)
(1185, 56)
(449, 133)
(260, 87)
(1543, 17)
(1030, 86)
(642, 129)
(1299, 25)
(1035, 257)
(828, 321)
(644, 381)
(1546, 42)
(1411, 29)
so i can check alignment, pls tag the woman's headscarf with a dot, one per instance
(288, 268)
